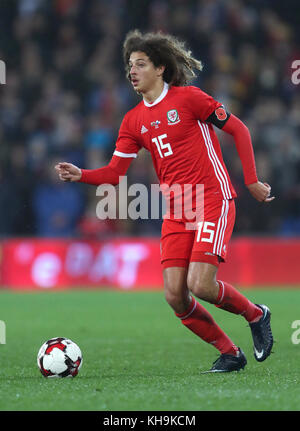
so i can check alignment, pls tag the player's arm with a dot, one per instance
(127, 148)
(109, 174)
(229, 123)
(206, 109)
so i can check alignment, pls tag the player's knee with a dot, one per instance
(200, 291)
(199, 288)
(172, 298)
(176, 299)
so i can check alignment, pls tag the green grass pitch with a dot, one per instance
(138, 356)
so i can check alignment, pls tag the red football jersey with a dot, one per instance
(184, 147)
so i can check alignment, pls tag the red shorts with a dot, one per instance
(208, 243)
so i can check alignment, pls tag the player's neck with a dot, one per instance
(153, 94)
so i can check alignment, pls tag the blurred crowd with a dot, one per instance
(66, 94)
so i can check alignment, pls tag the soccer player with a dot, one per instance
(175, 122)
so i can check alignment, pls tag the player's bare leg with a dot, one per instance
(202, 282)
(177, 293)
(196, 318)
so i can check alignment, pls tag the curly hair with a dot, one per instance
(163, 50)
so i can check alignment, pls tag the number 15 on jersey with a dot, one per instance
(162, 146)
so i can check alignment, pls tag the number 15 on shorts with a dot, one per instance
(204, 228)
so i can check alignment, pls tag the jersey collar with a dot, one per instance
(160, 98)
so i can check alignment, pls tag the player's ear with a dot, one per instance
(160, 70)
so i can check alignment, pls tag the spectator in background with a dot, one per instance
(11, 206)
(97, 140)
(57, 209)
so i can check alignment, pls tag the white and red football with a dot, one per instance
(59, 357)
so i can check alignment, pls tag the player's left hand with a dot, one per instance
(261, 191)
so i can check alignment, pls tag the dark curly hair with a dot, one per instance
(163, 50)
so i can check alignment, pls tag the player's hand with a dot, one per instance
(68, 172)
(261, 191)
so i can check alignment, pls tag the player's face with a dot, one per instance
(143, 74)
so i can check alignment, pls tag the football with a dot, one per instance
(59, 357)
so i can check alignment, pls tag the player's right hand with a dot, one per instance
(68, 172)
(261, 191)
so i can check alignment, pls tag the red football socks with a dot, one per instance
(230, 299)
(198, 320)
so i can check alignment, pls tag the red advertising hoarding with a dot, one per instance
(131, 263)
(58, 264)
